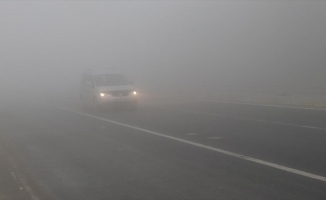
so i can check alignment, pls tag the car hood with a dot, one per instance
(113, 88)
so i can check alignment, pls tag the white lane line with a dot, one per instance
(273, 165)
(250, 119)
(23, 182)
(29, 190)
(239, 103)
(13, 176)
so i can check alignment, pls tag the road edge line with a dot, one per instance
(262, 162)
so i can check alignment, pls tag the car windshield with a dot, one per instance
(110, 80)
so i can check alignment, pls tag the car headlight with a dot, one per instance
(134, 93)
(103, 94)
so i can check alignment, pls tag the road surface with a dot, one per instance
(169, 149)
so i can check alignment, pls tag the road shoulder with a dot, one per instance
(16, 180)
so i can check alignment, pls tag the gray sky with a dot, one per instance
(203, 44)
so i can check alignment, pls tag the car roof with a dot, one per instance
(102, 71)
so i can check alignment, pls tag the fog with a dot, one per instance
(166, 46)
(222, 100)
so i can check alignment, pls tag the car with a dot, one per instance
(105, 88)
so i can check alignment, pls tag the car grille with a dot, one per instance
(120, 93)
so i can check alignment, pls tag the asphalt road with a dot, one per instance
(169, 149)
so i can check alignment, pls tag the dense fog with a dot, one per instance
(213, 99)
(166, 46)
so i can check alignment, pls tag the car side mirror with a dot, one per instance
(89, 84)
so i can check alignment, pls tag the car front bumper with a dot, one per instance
(109, 100)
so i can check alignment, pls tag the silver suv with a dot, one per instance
(105, 88)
